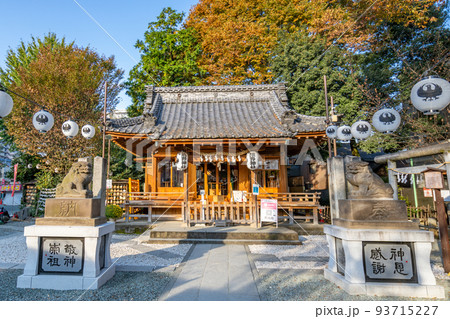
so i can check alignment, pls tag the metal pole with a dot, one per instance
(104, 121)
(413, 181)
(334, 140)
(443, 230)
(109, 155)
(327, 121)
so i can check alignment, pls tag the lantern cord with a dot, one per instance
(3, 88)
(404, 173)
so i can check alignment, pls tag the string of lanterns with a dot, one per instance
(43, 120)
(430, 95)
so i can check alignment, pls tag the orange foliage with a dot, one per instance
(238, 36)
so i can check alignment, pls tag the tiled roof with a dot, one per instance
(217, 112)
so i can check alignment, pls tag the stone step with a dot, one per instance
(224, 234)
(221, 241)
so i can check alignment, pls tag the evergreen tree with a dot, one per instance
(169, 54)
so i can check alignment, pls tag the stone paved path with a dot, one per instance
(215, 272)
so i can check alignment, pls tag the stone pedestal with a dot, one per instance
(373, 214)
(67, 257)
(382, 262)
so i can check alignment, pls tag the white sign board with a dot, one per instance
(238, 196)
(255, 189)
(388, 261)
(108, 183)
(271, 164)
(269, 210)
(62, 255)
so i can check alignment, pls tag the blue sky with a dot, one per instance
(125, 21)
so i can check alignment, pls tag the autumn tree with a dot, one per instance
(68, 81)
(238, 36)
(169, 55)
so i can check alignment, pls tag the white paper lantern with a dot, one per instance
(386, 120)
(43, 121)
(253, 160)
(361, 130)
(88, 131)
(332, 131)
(70, 128)
(182, 161)
(6, 104)
(344, 133)
(430, 95)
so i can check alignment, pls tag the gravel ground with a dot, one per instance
(284, 272)
(310, 285)
(124, 286)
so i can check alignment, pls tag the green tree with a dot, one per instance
(302, 62)
(407, 54)
(122, 166)
(69, 82)
(169, 54)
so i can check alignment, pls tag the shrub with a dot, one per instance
(113, 212)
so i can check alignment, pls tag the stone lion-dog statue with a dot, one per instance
(76, 182)
(364, 183)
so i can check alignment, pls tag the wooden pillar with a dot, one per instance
(283, 179)
(205, 180)
(185, 207)
(255, 216)
(229, 180)
(447, 167)
(154, 177)
(392, 179)
(217, 179)
(146, 178)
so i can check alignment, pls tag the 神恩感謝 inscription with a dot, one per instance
(388, 261)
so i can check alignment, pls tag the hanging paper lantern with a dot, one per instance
(182, 161)
(361, 130)
(88, 131)
(386, 120)
(332, 131)
(70, 128)
(430, 95)
(344, 134)
(43, 121)
(6, 104)
(253, 160)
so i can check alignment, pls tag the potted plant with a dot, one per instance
(113, 212)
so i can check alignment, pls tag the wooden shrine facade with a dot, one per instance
(216, 127)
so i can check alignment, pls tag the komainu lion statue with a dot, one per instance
(76, 182)
(364, 183)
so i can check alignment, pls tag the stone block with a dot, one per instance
(379, 213)
(72, 207)
(367, 209)
(71, 221)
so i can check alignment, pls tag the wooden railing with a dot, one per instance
(226, 212)
(152, 200)
(288, 202)
(232, 212)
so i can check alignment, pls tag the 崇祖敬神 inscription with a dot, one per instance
(62, 255)
(388, 261)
